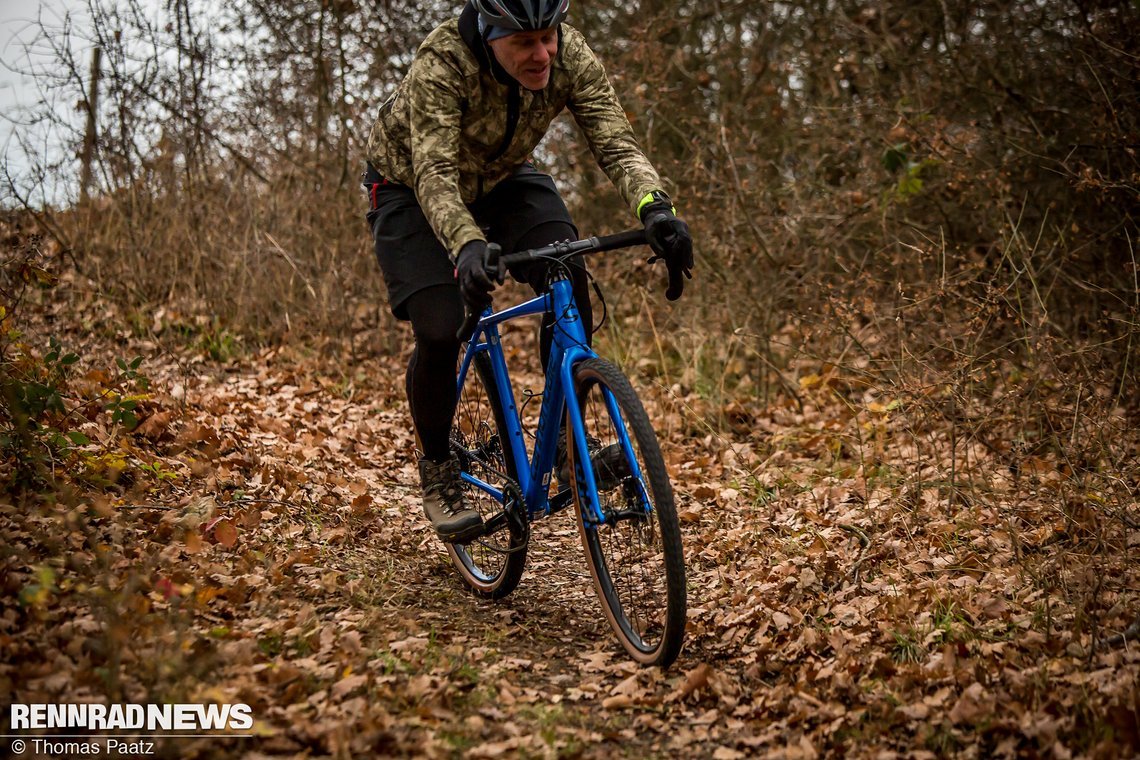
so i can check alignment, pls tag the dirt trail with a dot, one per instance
(400, 646)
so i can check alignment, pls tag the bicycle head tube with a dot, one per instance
(569, 330)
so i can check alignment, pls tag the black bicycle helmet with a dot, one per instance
(522, 15)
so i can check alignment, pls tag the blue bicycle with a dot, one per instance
(619, 486)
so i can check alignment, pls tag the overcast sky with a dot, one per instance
(19, 27)
(17, 22)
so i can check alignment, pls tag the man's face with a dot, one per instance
(527, 56)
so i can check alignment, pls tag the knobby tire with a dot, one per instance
(635, 559)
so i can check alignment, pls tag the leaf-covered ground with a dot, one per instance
(257, 538)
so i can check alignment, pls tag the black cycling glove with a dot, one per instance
(475, 284)
(669, 238)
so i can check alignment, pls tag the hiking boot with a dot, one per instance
(610, 467)
(454, 521)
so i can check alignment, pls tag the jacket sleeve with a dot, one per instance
(436, 102)
(603, 122)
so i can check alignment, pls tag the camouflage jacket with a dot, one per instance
(458, 124)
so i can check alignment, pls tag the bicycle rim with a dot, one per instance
(492, 565)
(635, 556)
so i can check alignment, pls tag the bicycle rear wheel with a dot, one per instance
(635, 554)
(492, 565)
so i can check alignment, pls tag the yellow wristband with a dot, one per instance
(654, 197)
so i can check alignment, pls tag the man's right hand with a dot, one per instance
(475, 284)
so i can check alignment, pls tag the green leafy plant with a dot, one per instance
(122, 408)
(220, 345)
(43, 410)
(898, 159)
(32, 388)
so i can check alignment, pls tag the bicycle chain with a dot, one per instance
(515, 510)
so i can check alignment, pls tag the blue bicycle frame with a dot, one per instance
(568, 350)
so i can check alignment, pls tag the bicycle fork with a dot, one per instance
(585, 471)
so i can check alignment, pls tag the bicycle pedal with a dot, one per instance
(464, 536)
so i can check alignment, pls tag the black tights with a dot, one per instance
(436, 314)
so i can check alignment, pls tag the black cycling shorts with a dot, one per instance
(412, 258)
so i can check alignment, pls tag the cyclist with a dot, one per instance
(449, 168)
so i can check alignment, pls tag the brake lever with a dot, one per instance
(677, 276)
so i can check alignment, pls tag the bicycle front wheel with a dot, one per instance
(493, 564)
(634, 553)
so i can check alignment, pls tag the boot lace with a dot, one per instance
(450, 494)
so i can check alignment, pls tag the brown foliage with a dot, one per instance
(852, 591)
(899, 397)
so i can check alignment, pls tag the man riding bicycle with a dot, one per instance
(449, 169)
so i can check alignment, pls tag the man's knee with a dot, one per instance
(436, 314)
(439, 338)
